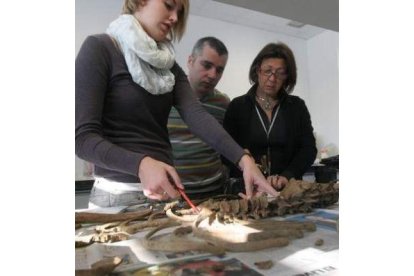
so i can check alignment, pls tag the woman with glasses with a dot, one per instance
(274, 126)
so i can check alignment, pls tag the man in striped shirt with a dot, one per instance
(198, 165)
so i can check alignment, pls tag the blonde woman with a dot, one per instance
(127, 80)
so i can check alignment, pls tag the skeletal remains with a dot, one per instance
(224, 223)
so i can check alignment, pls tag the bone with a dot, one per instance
(88, 217)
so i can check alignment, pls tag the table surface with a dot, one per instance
(300, 257)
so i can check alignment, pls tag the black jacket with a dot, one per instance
(291, 140)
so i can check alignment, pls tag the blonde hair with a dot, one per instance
(130, 6)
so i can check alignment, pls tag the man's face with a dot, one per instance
(205, 70)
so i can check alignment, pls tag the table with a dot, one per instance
(300, 257)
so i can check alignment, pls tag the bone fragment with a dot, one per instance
(100, 268)
(83, 217)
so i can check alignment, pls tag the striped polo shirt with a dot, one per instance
(198, 165)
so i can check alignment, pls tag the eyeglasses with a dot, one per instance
(280, 75)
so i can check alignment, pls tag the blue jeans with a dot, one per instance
(107, 193)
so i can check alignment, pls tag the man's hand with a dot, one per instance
(277, 181)
(154, 176)
(254, 181)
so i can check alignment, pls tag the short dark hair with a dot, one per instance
(276, 50)
(213, 42)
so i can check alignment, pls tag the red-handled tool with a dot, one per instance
(183, 194)
(186, 198)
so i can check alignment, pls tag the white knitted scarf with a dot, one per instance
(148, 62)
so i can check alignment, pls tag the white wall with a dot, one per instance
(243, 44)
(92, 17)
(323, 101)
(316, 59)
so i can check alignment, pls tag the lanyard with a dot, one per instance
(267, 131)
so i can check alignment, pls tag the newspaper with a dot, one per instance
(213, 265)
(132, 252)
(301, 257)
(323, 218)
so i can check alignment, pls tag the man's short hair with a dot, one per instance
(213, 42)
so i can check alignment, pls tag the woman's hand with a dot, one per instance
(158, 179)
(277, 181)
(254, 181)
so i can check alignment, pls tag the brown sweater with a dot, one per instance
(118, 122)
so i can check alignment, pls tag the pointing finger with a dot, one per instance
(174, 178)
(267, 188)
